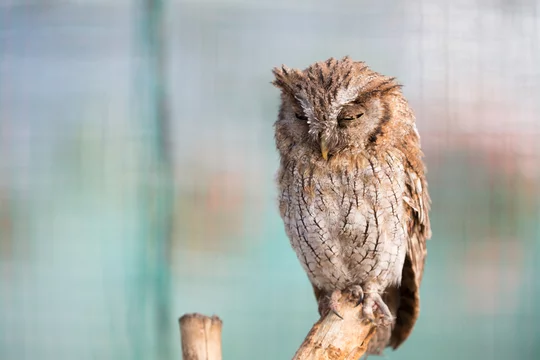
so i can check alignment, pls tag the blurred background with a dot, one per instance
(137, 171)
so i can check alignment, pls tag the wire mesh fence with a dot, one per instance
(137, 171)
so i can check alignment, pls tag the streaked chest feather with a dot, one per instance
(347, 225)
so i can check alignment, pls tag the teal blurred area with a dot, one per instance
(137, 171)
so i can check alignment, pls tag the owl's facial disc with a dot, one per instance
(332, 132)
(334, 109)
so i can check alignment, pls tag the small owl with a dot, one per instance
(352, 191)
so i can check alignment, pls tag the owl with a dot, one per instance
(352, 191)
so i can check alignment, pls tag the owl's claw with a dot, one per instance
(358, 293)
(334, 301)
(372, 299)
(337, 314)
(369, 301)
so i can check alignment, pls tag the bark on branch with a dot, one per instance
(331, 338)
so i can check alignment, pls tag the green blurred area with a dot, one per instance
(137, 172)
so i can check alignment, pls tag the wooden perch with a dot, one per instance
(201, 337)
(331, 338)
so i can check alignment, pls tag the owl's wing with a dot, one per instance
(417, 202)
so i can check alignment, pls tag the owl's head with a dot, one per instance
(337, 106)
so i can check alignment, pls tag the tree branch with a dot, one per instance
(332, 338)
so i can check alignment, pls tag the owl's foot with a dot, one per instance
(330, 304)
(374, 298)
(358, 293)
(333, 305)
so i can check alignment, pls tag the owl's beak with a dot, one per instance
(324, 148)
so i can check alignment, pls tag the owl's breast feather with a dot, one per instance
(345, 226)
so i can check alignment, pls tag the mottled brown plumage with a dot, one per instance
(352, 190)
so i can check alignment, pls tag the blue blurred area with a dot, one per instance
(119, 213)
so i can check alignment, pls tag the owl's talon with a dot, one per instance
(372, 299)
(337, 314)
(357, 292)
(387, 315)
(334, 303)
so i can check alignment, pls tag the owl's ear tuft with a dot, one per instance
(281, 78)
(284, 78)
